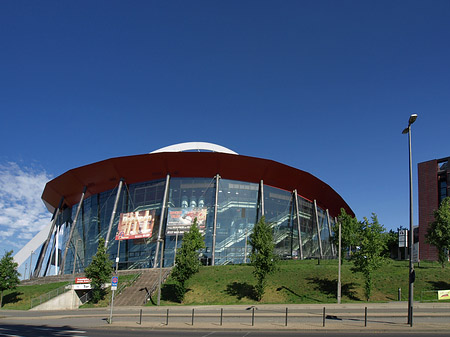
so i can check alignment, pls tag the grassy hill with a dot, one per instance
(20, 298)
(308, 282)
(295, 282)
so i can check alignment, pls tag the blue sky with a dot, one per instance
(323, 86)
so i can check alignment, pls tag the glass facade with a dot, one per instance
(239, 206)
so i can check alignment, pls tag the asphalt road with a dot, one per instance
(386, 319)
(48, 331)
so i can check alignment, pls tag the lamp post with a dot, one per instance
(412, 274)
(31, 266)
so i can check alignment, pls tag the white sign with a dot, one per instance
(403, 238)
(81, 286)
(416, 252)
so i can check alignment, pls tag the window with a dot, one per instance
(442, 189)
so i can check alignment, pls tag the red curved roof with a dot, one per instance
(105, 175)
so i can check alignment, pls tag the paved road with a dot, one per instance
(48, 331)
(383, 317)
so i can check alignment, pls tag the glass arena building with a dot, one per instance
(143, 204)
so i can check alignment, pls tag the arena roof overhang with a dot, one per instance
(105, 175)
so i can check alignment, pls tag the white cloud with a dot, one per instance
(22, 212)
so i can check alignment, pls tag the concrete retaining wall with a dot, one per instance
(68, 300)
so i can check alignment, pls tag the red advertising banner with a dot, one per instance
(81, 280)
(136, 225)
(179, 220)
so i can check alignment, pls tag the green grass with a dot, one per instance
(19, 298)
(294, 282)
(306, 282)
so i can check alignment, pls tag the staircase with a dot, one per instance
(139, 292)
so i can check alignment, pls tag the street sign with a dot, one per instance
(114, 282)
(403, 238)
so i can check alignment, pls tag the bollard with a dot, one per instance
(285, 323)
(167, 317)
(140, 318)
(192, 316)
(365, 316)
(253, 316)
(221, 316)
(323, 316)
(399, 294)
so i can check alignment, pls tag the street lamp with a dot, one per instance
(31, 266)
(412, 274)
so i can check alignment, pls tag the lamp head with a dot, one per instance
(412, 118)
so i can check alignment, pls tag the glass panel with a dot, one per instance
(236, 217)
(308, 228)
(278, 210)
(140, 253)
(195, 193)
(324, 233)
(442, 190)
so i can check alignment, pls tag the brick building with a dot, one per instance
(433, 176)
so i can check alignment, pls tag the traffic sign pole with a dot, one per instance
(114, 282)
(112, 305)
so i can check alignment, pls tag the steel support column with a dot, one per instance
(261, 191)
(63, 262)
(113, 214)
(37, 270)
(333, 248)
(216, 206)
(161, 221)
(318, 229)
(48, 266)
(297, 210)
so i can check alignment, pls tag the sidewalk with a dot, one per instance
(345, 317)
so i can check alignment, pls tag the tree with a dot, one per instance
(262, 256)
(349, 232)
(9, 276)
(187, 262)
(438, 233)
(369, 257)
(391, 239)
(99, 271)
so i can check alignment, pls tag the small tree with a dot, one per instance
(391, 239)
(349, 232)
(262, 256)
(99, 271)
(9, 276)
(369, 257)
(187, 262)
(438, 233)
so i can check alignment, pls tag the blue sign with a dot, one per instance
(114, 281)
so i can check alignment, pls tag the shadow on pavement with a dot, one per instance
(37, 330)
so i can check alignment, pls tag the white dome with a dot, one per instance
(195, 146)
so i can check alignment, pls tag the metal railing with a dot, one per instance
(86, 297)
(429, 296)
(164, 276)
(35, 301)
(128, 283)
